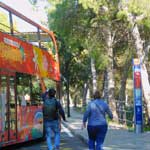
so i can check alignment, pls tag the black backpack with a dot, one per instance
(50, 111)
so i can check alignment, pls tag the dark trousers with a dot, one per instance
(96, 136)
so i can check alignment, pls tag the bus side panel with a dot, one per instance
(30, 122)
(1, 125)
(3, 129)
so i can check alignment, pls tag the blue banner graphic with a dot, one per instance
(137, 91)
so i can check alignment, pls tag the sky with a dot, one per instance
(25, 8)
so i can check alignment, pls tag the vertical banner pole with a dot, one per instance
(138, 116)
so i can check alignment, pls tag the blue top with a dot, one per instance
(96, 113)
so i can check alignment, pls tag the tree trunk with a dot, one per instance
(121, 101)
(122, 97)
(85, 90)
(94, 78)
(146, 89)
(105, 86)
(68, 98)
(110, 75)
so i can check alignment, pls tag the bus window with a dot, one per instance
(36, 91)
(28, 89)
(24, 89)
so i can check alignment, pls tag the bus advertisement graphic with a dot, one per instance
(34, 60)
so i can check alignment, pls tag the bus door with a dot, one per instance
(8, 110)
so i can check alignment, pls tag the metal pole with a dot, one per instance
(11, 23)
(39, 37)
(68, 100)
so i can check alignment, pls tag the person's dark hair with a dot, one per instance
(51, 92)
(97, 95)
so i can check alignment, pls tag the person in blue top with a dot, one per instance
(97, 126)
(52, 113)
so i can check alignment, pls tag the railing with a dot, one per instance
(125, 113)
(38, 34)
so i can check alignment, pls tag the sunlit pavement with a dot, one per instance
(74, 138)
(68, 142)
(116, 138)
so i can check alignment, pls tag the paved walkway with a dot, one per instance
(116, 138)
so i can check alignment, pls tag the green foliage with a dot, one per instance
(64, 21)
(137, 7)
(81, 27)
(148, 56)
(146, 23)
(101, 59)
(129, 115)
(146, 128)
(121, 15)
(92, 4)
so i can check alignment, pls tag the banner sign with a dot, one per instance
(137, 91)
(20, 56)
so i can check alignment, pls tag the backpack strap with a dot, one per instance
(56, 102)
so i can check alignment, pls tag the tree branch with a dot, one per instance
(139, 18)
(145, 53)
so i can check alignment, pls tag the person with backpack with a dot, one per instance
(52, 113)
(97, 125)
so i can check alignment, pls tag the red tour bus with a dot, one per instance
(22, 66)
